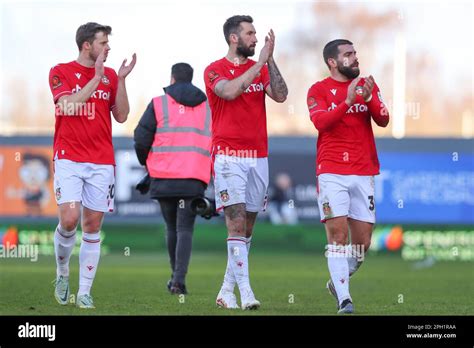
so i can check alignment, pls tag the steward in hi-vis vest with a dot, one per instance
(173, 141)
(180, 149)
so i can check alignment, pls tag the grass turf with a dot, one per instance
(136, 285)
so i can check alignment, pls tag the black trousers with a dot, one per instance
(179, 234)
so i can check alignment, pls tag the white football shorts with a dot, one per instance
(346, 195)
(91, 184)
(241, 180)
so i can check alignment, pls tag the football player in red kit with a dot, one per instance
(236, 87)
(342, 108)
(85, 93)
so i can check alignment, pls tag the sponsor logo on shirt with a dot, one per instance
(78, 75)
(98, 94)
(353, 109)
(333, 91)
(254, 87)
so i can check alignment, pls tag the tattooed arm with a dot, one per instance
(277, 89)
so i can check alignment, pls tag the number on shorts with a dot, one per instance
(372, 204)
(111, 192)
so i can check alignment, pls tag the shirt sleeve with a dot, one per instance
(144, 134)
(377, 109)
(322, 116)
(114, 86)
(212, 75)
(58, 84)
(265, 76)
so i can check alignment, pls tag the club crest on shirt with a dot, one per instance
(212, 75)
(58, 193)
(56, 82)
(327, 210)
(105, 80)
(224, 196)
(312, 103)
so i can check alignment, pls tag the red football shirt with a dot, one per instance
(87, 135)
(239, 126)
(346, 142)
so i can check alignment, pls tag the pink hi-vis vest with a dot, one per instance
(181, 149)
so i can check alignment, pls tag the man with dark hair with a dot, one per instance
(341, 108)
(173, 140)
(236, 87)
(182, 72)
(232, 26)
(85, 92)
(331, 50)
(87, 32)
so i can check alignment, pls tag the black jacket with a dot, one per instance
(189, 95)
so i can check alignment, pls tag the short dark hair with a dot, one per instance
(331, 50)
(232, 25)
(182, 72)
(86, 32)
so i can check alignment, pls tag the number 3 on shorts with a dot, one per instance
(371, 203)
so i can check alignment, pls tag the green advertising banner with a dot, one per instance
(410, 242)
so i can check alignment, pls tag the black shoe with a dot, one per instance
(346, 307)
(178, 289)
(168, 285)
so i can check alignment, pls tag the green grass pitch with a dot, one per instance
(285, 283)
